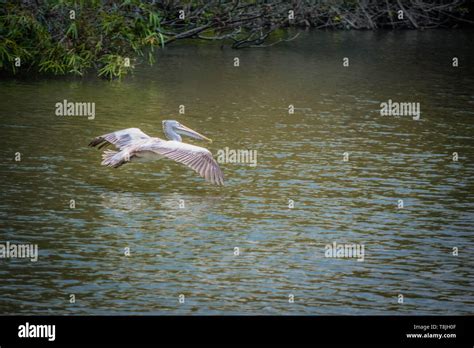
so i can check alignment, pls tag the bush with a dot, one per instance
(66, 37)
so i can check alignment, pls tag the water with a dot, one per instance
(190, 251)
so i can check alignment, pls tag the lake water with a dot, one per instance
(190, 250)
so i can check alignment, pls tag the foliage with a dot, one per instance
(70, 37)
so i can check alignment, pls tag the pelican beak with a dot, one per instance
(191, 133)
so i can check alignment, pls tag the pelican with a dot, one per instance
(135, 146)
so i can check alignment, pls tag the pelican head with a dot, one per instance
(173, 129)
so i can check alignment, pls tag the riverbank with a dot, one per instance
(111, 38)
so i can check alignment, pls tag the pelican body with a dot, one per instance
(133, 145)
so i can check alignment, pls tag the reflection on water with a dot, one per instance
(176, 249)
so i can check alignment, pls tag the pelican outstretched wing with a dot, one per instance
(120, 139)
(197, 158)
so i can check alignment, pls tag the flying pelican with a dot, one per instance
(135, 146)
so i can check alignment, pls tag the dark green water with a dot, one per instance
(190, 251)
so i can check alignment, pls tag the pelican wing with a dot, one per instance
(197, 158)
(120, 139)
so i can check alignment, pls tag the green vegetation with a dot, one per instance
(66, 37)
